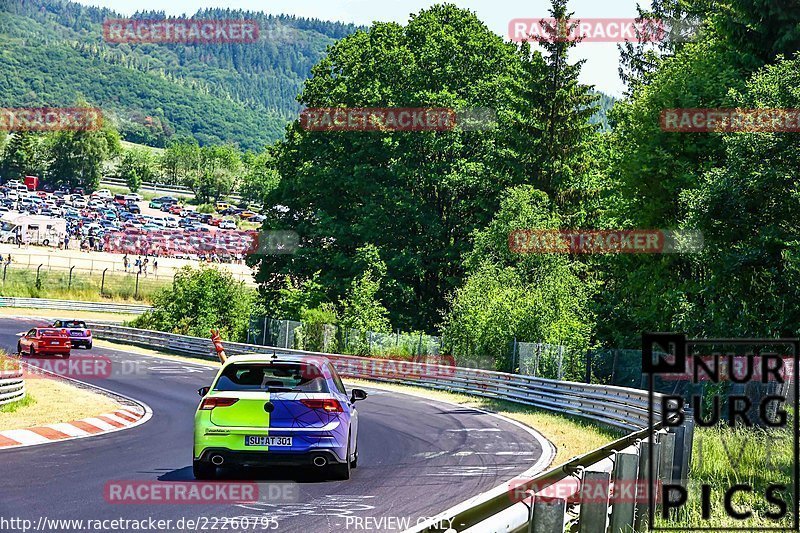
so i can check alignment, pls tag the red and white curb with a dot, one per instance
(123, 418)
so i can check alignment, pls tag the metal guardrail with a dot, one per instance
(625, 460)
(160, 188)
(72, 305)
(12, 386)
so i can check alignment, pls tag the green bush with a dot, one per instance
(201, 299)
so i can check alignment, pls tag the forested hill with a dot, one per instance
(52, 53)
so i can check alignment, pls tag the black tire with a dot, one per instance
(354, 462)
(66, 355)
(341, 471)
(89, 346)
(19, 348)
(203, 471)
(45, 242)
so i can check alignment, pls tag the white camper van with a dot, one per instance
(32, 229)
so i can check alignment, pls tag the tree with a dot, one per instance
(76, 157)
(20, 157)
(218, 169)
(260, 179)
(746, 282)
(362, 310)
(200, 299)
(416, 196)
(552, 109)
(137, 165)
(508, 295)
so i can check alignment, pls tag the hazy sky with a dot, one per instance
(602, 58)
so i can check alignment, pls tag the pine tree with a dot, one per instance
(553, 110)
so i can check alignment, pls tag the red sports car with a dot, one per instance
(45, 341)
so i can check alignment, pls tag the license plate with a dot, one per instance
(55, 342)
(251, 440)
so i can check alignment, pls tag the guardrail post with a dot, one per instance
(4, 273)
(70, 276)
(38, 281)
(626, 468)
(648, 454)
(667, 442)
(103, 284)
(688, 443)
(594, 514)
(548, 515)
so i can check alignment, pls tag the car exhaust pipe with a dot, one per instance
(320, 461)
(217, 460)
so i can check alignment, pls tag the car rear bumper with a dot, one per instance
(266, 458)
(52, 350)
(81, 341)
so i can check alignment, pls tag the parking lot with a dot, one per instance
(125, 224)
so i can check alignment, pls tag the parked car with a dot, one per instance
(104, 194)
(43, 341)
(133, 197)
(78, 333)
(175, 209)
(133, 207)
(154, 204)
(227, 224)
(214, 222)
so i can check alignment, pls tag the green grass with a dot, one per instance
(21, 282)
(146, 195)
(754, 457)
(16, 406)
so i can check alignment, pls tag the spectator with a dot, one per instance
(66, 241)
(8, 259)
(155, 267)
(125, 262)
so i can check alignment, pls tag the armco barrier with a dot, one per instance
(12, 386)
(502, 509)
(42, 303)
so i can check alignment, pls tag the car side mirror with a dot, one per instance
(202, 391)
(358, 395)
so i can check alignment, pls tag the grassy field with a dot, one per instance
(49, 401)
(723, 457)
(21, 282)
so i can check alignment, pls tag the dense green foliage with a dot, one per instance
(200, 299)
(52, 52)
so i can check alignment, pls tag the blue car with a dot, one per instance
(279, 409)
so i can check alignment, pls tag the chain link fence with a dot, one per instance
(292, 334)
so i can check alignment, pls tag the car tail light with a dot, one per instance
(87, 332)
(210, 403)
(331, 406)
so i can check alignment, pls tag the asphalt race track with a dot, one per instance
(417, 458)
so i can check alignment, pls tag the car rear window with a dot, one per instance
(300, 377)
(74, 324)
(50, 332)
